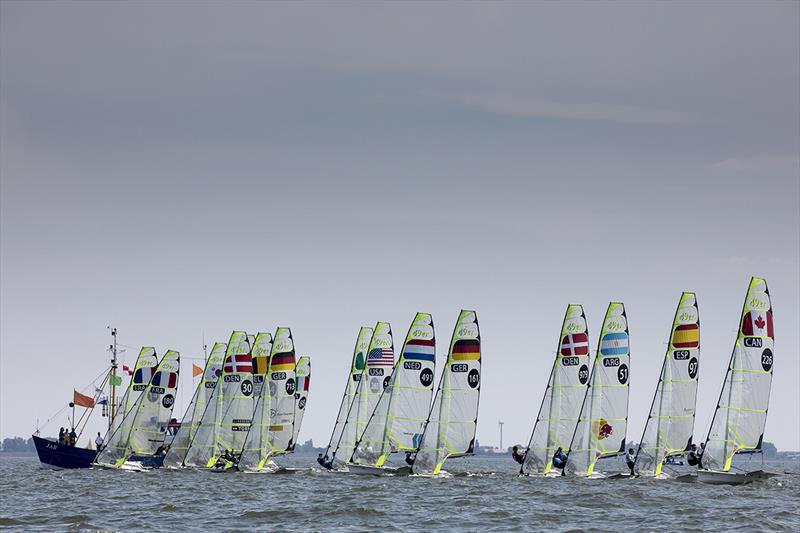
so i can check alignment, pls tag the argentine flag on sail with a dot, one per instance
(614, 344)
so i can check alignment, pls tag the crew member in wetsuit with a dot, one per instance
(559, 458)
(517, 454)
(630, 460)
(325, 462)
(73, 437)
(693, 457)
(62, 436)
(410, 458)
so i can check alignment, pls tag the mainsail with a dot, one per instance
(194, 413)
(117, 437)
(142, 372)
(741, 413)
(375, 378)
(227, 418)
(566, 388)
(303, 375)
(149, 417)
(155, 409)
(256, 445)
(670, 424)
(353, 379)
(399, 417)
(453, 418)
(282, 387)
(603, 420)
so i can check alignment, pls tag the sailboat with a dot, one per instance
(58, 455)
(602, 423)
(229, 412)
(303, 376)
(191, 419)
(670, 424)
(141, 440)
(561, 404)
(351, 387)
(399, 417)
(741, 413)
(374, 379)
(453, 418)
(273, 418)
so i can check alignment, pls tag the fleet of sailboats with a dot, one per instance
(247, 408)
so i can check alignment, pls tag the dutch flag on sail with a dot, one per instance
(420, 350)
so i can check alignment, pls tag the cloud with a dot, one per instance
(758, 163)
(528, 106)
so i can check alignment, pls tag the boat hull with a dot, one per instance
(55, 455)
(368, 470)
(724, 478)
(148, 461)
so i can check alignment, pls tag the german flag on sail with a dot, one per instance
(686, 336)
(282, 361)
(260, 364)
(467, 350)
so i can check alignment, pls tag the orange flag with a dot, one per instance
(82, 400)
(196, 370)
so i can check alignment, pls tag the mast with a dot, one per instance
(113, 380)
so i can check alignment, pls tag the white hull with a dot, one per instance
(724, 478)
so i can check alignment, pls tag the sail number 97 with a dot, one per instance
(693, 367)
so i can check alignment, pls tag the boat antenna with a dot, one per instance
(113, 379)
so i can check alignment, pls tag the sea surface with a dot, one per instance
(485, 494)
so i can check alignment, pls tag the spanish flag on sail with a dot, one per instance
(686, 336)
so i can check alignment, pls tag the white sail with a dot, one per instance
(116, 441)
(257, 446)
(142, 372)
(566, 388)
(282, 386)
(741, 413)
(450, 430)
(225, 424)
(670, 425)
(194, 413)
(359, 362)
(303, 375)
(155, 409)
(603, 420)
(375, 378)
(401, 412)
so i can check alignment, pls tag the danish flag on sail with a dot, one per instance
(238, 363)
(758, 324)
(575, 344)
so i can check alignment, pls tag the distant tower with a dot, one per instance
(500, 423)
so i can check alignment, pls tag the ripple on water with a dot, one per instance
(34, 499)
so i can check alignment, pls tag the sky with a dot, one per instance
(180, 170)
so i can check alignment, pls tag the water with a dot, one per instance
(494, 498)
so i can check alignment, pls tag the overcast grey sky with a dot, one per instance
(180, 170)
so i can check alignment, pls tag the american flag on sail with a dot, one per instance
(238, 363)
(381, 357)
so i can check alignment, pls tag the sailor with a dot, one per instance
(693, 457)
(517, 454)
(410, 458)
(630, 460)
(62, 436)
(559, 458)
(73, 437)
(701, 452)
(98, 441)
(323, 461)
